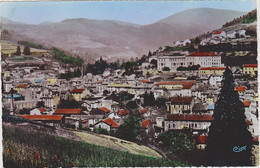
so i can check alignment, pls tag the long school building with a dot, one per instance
(204, 59)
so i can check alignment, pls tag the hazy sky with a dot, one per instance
(139, 12)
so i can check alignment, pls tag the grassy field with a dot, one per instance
(22, 58)
(10, 48)
(23, 148)
(118, 144)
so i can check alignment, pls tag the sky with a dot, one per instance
(138, 12)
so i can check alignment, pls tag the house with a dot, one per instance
(107, 124)
(231, 35)
(201, 141)
(51, 120)
(145, 112)
(215, 80)
(241, 90)
(207, 71)
(38, 111)
(67, 112)
(199, 108)
(250, 69)
(104, 109)
(180, 105)
(177, 88)
(219, 35)
(145, 124)
(51, 101)
(255, 152)
(186, 42)
(21, 87)
(51, 81)
(116, 117)
(195, 122)
(78, 94)
(123, 113)
(159, 126)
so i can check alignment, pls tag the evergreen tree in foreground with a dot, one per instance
(229, 142)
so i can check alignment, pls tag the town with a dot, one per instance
(173, 88)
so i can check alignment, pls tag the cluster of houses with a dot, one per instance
(221, 36)
(191, 95)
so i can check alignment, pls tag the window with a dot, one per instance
(195, 125)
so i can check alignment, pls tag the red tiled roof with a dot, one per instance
(111, 122)
(42, 117)
(201, 139)
(255, 139)
(67, 111)
(145, 123)
(186, 84)
(217, 32)
(181, 99)
(249, 122)
(84, 121)
(247, 103)
(251, 65)
(143, 111)
(145, 81)
(199, 54)
(42, 109)
(22, 86)
(212, 68)
(100, 81)
(240, 88)
(123, 112)
(77, 91)
(104, 109)
(193, 117)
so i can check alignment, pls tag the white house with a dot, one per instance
(219, 35)
(195, 122)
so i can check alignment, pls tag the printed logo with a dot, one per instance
(239, 149)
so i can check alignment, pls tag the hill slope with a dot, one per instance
(23, 148)
(116, 143)
(92, 38)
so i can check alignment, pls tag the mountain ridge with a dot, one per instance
(117, 39)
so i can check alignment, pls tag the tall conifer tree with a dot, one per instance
(229, 142)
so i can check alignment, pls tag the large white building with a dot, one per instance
(173, 62)
(204, 59)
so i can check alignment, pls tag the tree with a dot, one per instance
(102, 131)
(105, 92)
(40, 104)
(154, 62)
(229, 142)
(130, 129)
(27, 50)
(197, 40)
(160, 101)
(166, 69)
(149, 54)
(177, 141)
(18, 51)
(71, 104)
(131, 105)
(124, 96)
(149, 99)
